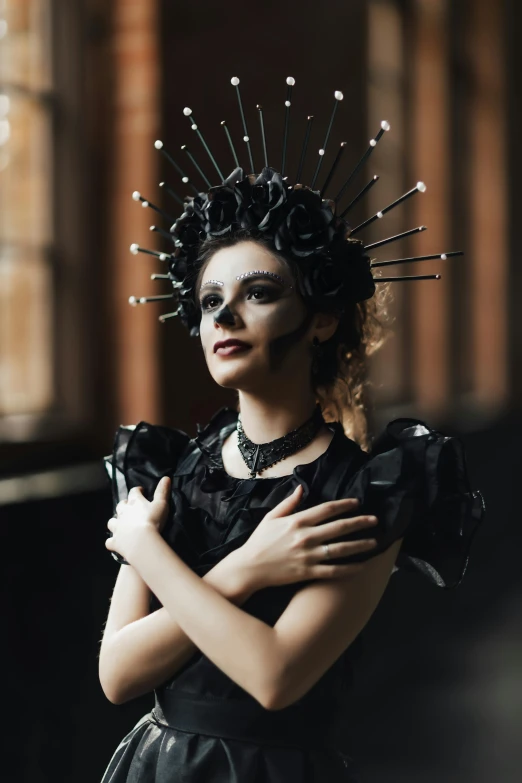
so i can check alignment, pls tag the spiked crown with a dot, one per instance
(296, 219)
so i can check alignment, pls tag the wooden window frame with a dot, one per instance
(75, 428)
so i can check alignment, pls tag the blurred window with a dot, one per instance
(47, 348)
(26, 204)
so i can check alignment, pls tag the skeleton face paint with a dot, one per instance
(280, 346)
(249, 295)
(224, 316)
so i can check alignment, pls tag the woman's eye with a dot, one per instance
(258, 290)
(255, 292)
(206, 301)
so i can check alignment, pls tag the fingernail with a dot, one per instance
(372, 520)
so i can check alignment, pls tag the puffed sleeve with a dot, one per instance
(142, 454)
(415, 480)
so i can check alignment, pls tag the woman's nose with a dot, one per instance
(224, 316)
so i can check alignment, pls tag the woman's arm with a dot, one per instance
(129, 602)
(320, 622)
(139, 650)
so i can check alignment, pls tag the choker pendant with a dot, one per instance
(260, 456)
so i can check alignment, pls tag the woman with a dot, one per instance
(255, 562)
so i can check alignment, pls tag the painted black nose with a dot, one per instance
(224, 316)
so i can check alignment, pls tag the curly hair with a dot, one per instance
(339, 379)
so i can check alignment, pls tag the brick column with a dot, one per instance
(134, 166)
(430, 161)
(488, 207)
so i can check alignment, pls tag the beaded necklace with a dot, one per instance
(260, 456)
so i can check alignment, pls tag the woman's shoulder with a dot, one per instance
(141, 455)
(415, 480)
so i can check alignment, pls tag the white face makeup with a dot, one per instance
(248, 295)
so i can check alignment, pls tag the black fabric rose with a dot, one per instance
(309, 224)
(261, 204)
(189, 314)
(182, 267)
(219, 211)
(348, 256)
(342, 275)
(178, 268)
(188, 230)
(323, 282)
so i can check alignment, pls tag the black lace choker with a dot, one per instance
(259, 456)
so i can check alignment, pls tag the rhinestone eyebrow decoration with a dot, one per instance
(263, 272)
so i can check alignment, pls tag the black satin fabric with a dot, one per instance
(414, 480)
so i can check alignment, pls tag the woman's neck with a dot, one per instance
(265, 420)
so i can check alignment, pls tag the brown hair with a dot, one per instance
(340, 382)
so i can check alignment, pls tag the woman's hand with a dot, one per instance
(287, 547)
(137, 517)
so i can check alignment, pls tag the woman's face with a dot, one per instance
(247, 294)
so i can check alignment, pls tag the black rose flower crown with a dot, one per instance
(296, 219)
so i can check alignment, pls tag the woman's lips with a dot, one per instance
(227, 350)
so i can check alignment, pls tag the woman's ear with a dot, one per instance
(324, 325)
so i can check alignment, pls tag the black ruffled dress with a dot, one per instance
(204, 728)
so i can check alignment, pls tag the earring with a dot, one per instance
(316, 353)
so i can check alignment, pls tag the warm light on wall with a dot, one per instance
(448, 358)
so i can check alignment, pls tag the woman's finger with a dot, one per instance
(134, 494)
(110, 523)
(340, 527)
(324, 510)
(347, 548)
(162, 488)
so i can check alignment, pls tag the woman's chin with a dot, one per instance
(238, 377)
(233, 380)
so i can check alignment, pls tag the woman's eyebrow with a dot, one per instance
(246, 278)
